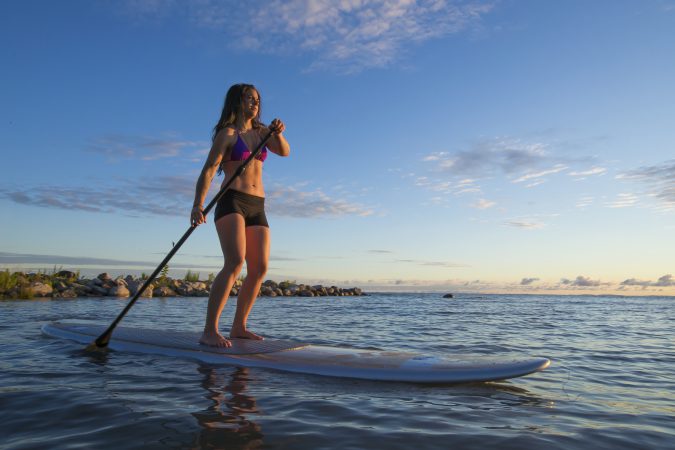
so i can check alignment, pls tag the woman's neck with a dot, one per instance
(244, 124)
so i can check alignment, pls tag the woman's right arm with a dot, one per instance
(220, 144)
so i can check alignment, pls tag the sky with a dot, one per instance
(507, 146)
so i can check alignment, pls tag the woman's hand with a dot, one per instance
(278, 143)
(277, 126)
(197, 216)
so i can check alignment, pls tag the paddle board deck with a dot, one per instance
(299, 357)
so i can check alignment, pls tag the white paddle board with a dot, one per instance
(295, 356)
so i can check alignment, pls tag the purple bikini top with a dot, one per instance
(240, 151)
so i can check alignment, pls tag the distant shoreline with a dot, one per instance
(67, 284)
(11, 288)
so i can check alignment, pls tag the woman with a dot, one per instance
(239, 215)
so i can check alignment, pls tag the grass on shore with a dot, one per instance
(8, 280)
(20, 282)
(192, 276)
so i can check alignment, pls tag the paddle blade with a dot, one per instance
(99, 345)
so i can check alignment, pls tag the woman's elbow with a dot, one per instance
(283, 151)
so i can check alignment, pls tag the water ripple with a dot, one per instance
(610, 385)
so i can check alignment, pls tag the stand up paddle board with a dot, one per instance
(299, 357)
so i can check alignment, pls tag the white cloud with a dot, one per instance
(488, 157)
(434, 157)
(583, 202)
(582, 281)
(587, 173)
(659, 180)
(624, 200)
(130, 198)
(446, 264)
(291, 202)
(524, 224)
(534, 183)
(7, 258)
(347, 35)
(146, 148)
(540, 174)
(483, 204)
(664, 281)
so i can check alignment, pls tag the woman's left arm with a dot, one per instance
(278, 143)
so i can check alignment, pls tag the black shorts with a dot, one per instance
(251, 207)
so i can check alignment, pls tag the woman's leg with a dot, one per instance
(231, 232)
(257, 257)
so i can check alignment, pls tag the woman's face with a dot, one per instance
(250, 103)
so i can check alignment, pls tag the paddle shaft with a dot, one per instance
(103, 339)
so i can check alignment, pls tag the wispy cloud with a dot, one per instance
(460, 172)
(490, 157)
(483, 204)
(528, 281)
(624, 200)
(447, 264)
(440, 185)
(664, 281)
(518, 160)
(659, 180)
(7, 258)
(292, 202)
(582, 281)
(347, 35)
(525, 224)
(116, 146)
(129, 198)
(583, 174)
(585, 201)
(534, 175)
(89, 265)
(139, 198)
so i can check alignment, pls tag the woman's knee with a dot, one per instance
(257, 270)
(233, 264)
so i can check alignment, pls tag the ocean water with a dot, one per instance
(611, 384)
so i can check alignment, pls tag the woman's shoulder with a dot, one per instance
(226, 133)
(225, 137)
(228, 130)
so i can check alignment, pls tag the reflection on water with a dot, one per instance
(515, 396)
(99, 357)
(227, 422)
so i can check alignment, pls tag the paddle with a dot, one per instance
(102, 341)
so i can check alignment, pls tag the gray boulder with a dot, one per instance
(135, 285)
(66, 274)
(104, 276)
(163, 291)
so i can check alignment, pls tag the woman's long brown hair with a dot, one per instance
(232, 107)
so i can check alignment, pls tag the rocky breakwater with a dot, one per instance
(66, 284)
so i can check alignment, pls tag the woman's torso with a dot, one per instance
(250, 181)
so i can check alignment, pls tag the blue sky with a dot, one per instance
(488, 146)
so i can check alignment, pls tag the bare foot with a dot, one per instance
(214, 339)
(245, 335)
